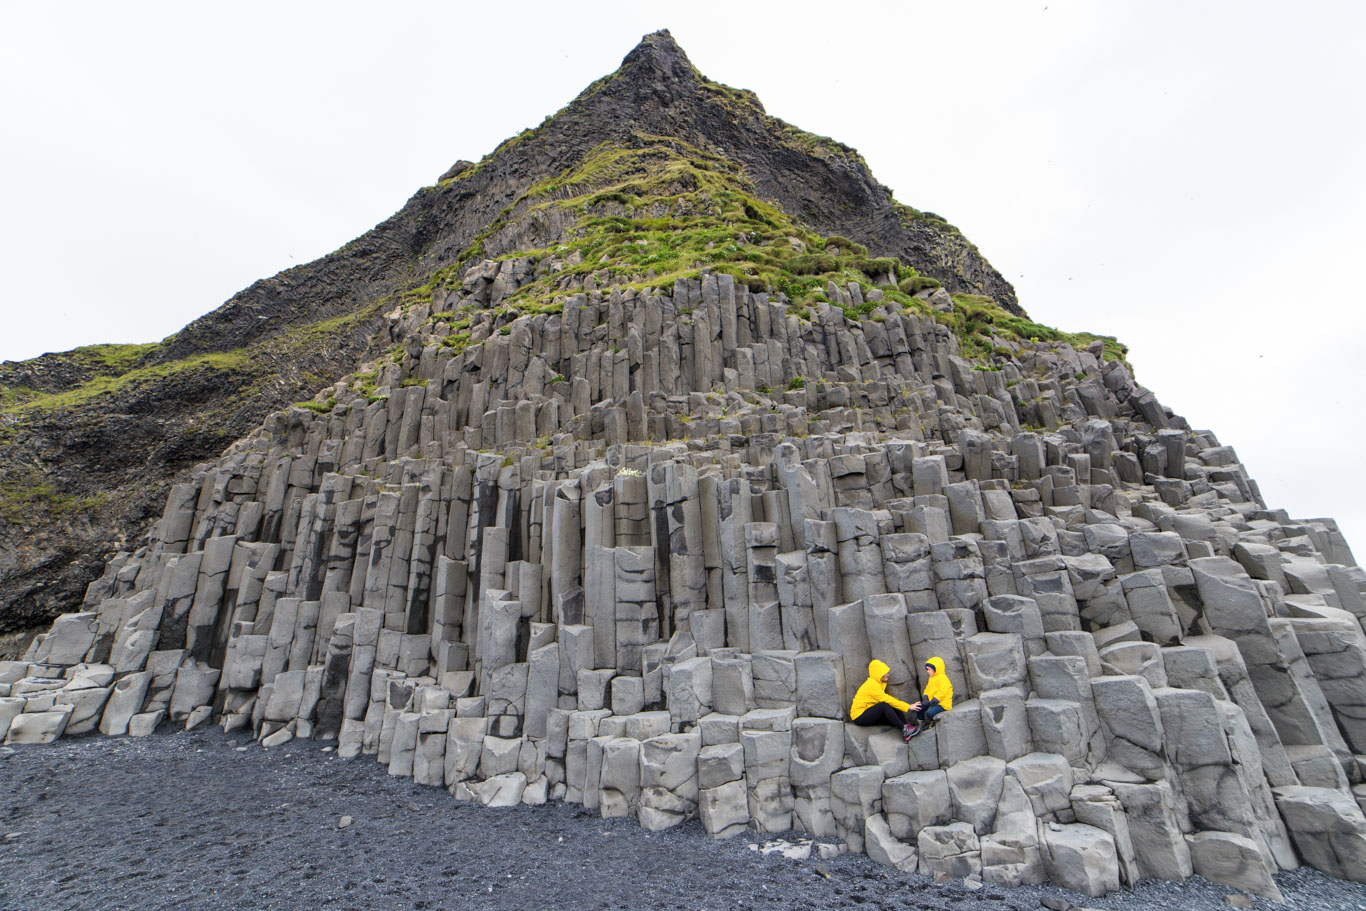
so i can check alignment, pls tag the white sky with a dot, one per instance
(1186, 176)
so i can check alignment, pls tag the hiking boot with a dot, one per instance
(910, 731)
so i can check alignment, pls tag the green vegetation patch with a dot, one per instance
(10, 396)
(96, 360)
(114, 359)
(657, 209)
(323, 407)
(295, 342)
(107, 384)
(660, 209)
(24, 498)
(311, 337)
(663, 210)
(977, 319)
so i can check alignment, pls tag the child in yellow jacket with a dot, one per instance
(873, 705)
(936, 700)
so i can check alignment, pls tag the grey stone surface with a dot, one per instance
(724, 810)
(883, 847)
(1234, 861)
(975, 790)
(1327, 828)
(817, 751)
(952, 850)
(1010, 853)
(1005, 724)
(959, 732)
(38, 727)
(994, 660)
(821, 686)
(855, 794)
(915, 800)
(1081, 858)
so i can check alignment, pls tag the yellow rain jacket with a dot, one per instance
(874, 691)
(939, 686)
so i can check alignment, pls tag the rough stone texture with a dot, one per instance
(1232, 860)
(38, 727)
(883, 847)
(1327, 828)
(915, 800)
(951, 850)
(1081, 857)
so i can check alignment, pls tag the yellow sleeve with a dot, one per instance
(895, 702)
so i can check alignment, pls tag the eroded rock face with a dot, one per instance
(637, 553)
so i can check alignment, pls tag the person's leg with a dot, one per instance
(923, 715)
(881, 713)
(892, 715)
(915, 720)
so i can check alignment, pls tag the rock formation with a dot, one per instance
(627, 494)
(91, 440)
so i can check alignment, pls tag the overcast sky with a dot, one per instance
(1186, 176)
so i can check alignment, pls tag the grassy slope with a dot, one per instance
(663, 209)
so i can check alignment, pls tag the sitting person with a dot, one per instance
(873, 705)
(936, 700)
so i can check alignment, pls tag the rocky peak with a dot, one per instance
(658, 62)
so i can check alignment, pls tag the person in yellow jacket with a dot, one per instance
(873, 705)
(936, 700)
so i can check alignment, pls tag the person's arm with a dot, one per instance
(895, 702)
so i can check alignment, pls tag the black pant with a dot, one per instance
(881, 713)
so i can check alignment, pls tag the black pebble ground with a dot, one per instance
(189, 821)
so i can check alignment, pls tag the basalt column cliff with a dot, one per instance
(656, 426)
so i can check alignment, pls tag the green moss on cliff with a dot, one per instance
(114, 359)
(978, 319)
(312, 337)
(117, 382)
(664, 210)
(244, 368)
(25, 497)
(14, 395)
(75, 368)
(323, 407)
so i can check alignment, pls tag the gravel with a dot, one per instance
(209, 821)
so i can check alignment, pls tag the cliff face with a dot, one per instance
(90, 440)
